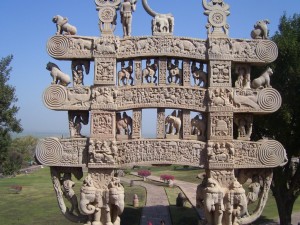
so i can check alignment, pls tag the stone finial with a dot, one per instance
(107, 15)
(62, 26)
(162, 24)
(260, 30)
(217, 12)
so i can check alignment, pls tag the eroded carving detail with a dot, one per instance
(103, 124)
(105, 70)
(220, 73)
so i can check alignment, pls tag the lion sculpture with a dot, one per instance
(58, 76)
(260, 30)
(263, 80)
(62, 25)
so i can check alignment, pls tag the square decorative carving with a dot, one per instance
(220, 74)
(105, 70)
(103, 125)
(220, 126)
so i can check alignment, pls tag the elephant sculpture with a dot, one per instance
(260, 30)
(198, 126)
(162, 24)
(58, 76)
(103, 205)
(213, 202)
(174, 124)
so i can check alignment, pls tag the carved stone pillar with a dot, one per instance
(160, 127)
(105, 70)
(137, 123)
(186, 124)
(186, 73)
(162, 70)
(138, 71)
(103, 125)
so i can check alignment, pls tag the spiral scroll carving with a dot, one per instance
(269, 100)
(58, 46)
(267, 51)
(49, 151)
(271, 153)
(55, 96)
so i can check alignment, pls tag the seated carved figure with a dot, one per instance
(263, 80)
(260, 30)
(62, 25)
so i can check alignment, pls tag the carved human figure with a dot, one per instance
(199, 75)
(260, 30)
(67, 186)
(149, 73)
(126, 9)
(78, 75)
(125, 74)
(243, 81)
(58, 76)
(174, 71)
(62, 26)
(244, 125)
(76, 118)
(254, 190)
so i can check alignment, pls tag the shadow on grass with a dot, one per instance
(131, 216)
(264, 220)
(183, 215)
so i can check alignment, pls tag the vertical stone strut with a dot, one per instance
(205, 97)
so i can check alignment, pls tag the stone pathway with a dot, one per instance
(157, 204)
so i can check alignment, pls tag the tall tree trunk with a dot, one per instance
(285, 203)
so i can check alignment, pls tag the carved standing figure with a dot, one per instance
(260, 30)
(62, 26)
(124, 123)
(126, 9)
(58, 76)
(149, 73)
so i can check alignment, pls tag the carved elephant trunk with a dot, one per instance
(87, 198)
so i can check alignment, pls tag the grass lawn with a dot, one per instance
(36, 203)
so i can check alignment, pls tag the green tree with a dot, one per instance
(8, 121)
(284, 125)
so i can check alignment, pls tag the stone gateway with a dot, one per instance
(210, 125)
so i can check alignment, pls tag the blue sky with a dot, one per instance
(26, 25)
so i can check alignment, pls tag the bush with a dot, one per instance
(144, 173)
(12, 164)
(166, 177)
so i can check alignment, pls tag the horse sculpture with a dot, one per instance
(150, 71)
(58, 76)
(199, 74)
(174, 71)
(125, 74)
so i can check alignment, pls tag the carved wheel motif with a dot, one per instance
(58, 46)
(49, 151)
(55, 96)
(271, 153)
(217, 18)
(267, 51)
(269, 100)
(107, 14)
